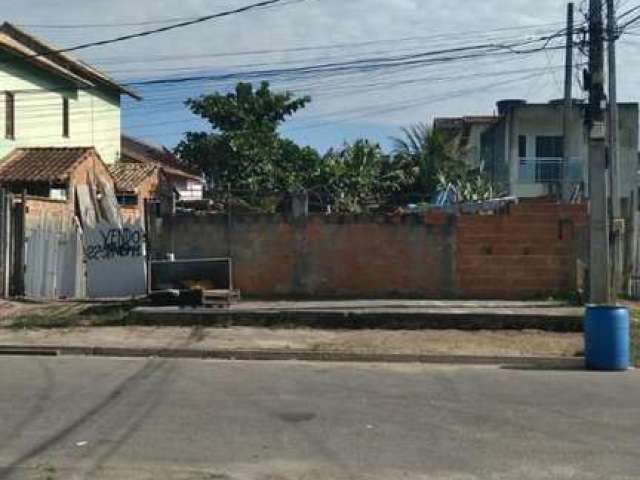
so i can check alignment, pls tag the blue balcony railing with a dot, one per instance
(549, 170)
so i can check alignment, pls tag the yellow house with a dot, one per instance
(50, 99)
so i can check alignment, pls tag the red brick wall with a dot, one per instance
(530, 251)
(324, 256)
(527, 252)
(346, 257)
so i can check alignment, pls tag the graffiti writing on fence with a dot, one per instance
(116, 242)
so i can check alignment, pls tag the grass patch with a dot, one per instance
(66, 315)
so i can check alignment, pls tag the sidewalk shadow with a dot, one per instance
(579, 367)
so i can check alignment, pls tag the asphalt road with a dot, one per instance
(93, 418)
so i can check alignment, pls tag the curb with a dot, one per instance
(280, 355)
(389, 319)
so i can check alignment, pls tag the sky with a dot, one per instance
(346, 105)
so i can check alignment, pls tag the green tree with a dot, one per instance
(243, 148)
(355, 176)
(297, 168)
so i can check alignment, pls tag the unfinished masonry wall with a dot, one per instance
(534, 250)
(525, 252)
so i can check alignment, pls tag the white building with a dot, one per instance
(524, 150)
(50, 99)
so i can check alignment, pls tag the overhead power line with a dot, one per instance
(420, 58)
(628, 12)
(73, 26)
(376, 63)
(206, 18)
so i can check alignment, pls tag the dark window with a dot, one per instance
(549, 153)
(126, 199)
(549, 147)
(10, 115)
(522, 146)
(65, 117)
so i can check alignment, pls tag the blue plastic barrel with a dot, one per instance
(607, 338)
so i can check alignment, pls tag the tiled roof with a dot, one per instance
(35, 51)
(129, 176)
(42, 164)
(139, 151)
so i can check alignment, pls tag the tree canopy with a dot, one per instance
(244, 150)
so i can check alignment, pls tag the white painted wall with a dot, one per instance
(542, 120)
(546, 120)
(94, 115)
(115, 260)
(189, 190)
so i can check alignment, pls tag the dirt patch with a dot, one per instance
(495, 343)
(62, 314)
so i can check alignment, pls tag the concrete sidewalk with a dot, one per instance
(386, 314)
(436, 346)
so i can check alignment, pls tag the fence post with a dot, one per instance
(300, 205)
(4, 244)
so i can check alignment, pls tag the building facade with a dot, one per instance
(187, 185)
(50, 99)
(465, 135)
(524, 150)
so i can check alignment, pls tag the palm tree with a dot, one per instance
(424, 154)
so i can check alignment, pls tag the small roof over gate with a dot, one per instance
(129, 176)
(43, 165)
(139, 151)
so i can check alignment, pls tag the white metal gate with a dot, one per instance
(53, 257)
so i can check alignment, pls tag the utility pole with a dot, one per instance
(614, 155)
(568, 107)
(598, 211)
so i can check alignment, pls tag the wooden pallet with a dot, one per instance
(220, 298)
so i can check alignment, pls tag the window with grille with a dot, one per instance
(65, 117)
(549, 153)
(522, 149)
(10, 115)
(549, 147)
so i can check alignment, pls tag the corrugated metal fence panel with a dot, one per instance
(71, 279)
(53, 258)
(5, 232)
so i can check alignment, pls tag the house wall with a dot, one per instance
(323, 257)
(500, 144)
(521, 254)
(474, 149)
(38, 205)
(94, 116)
(629, 146)
(541, 120)
(147, 190)
(493, 143)
(189, 190)
(91, 166)
(533, 250)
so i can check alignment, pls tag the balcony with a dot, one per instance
(540, 171)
